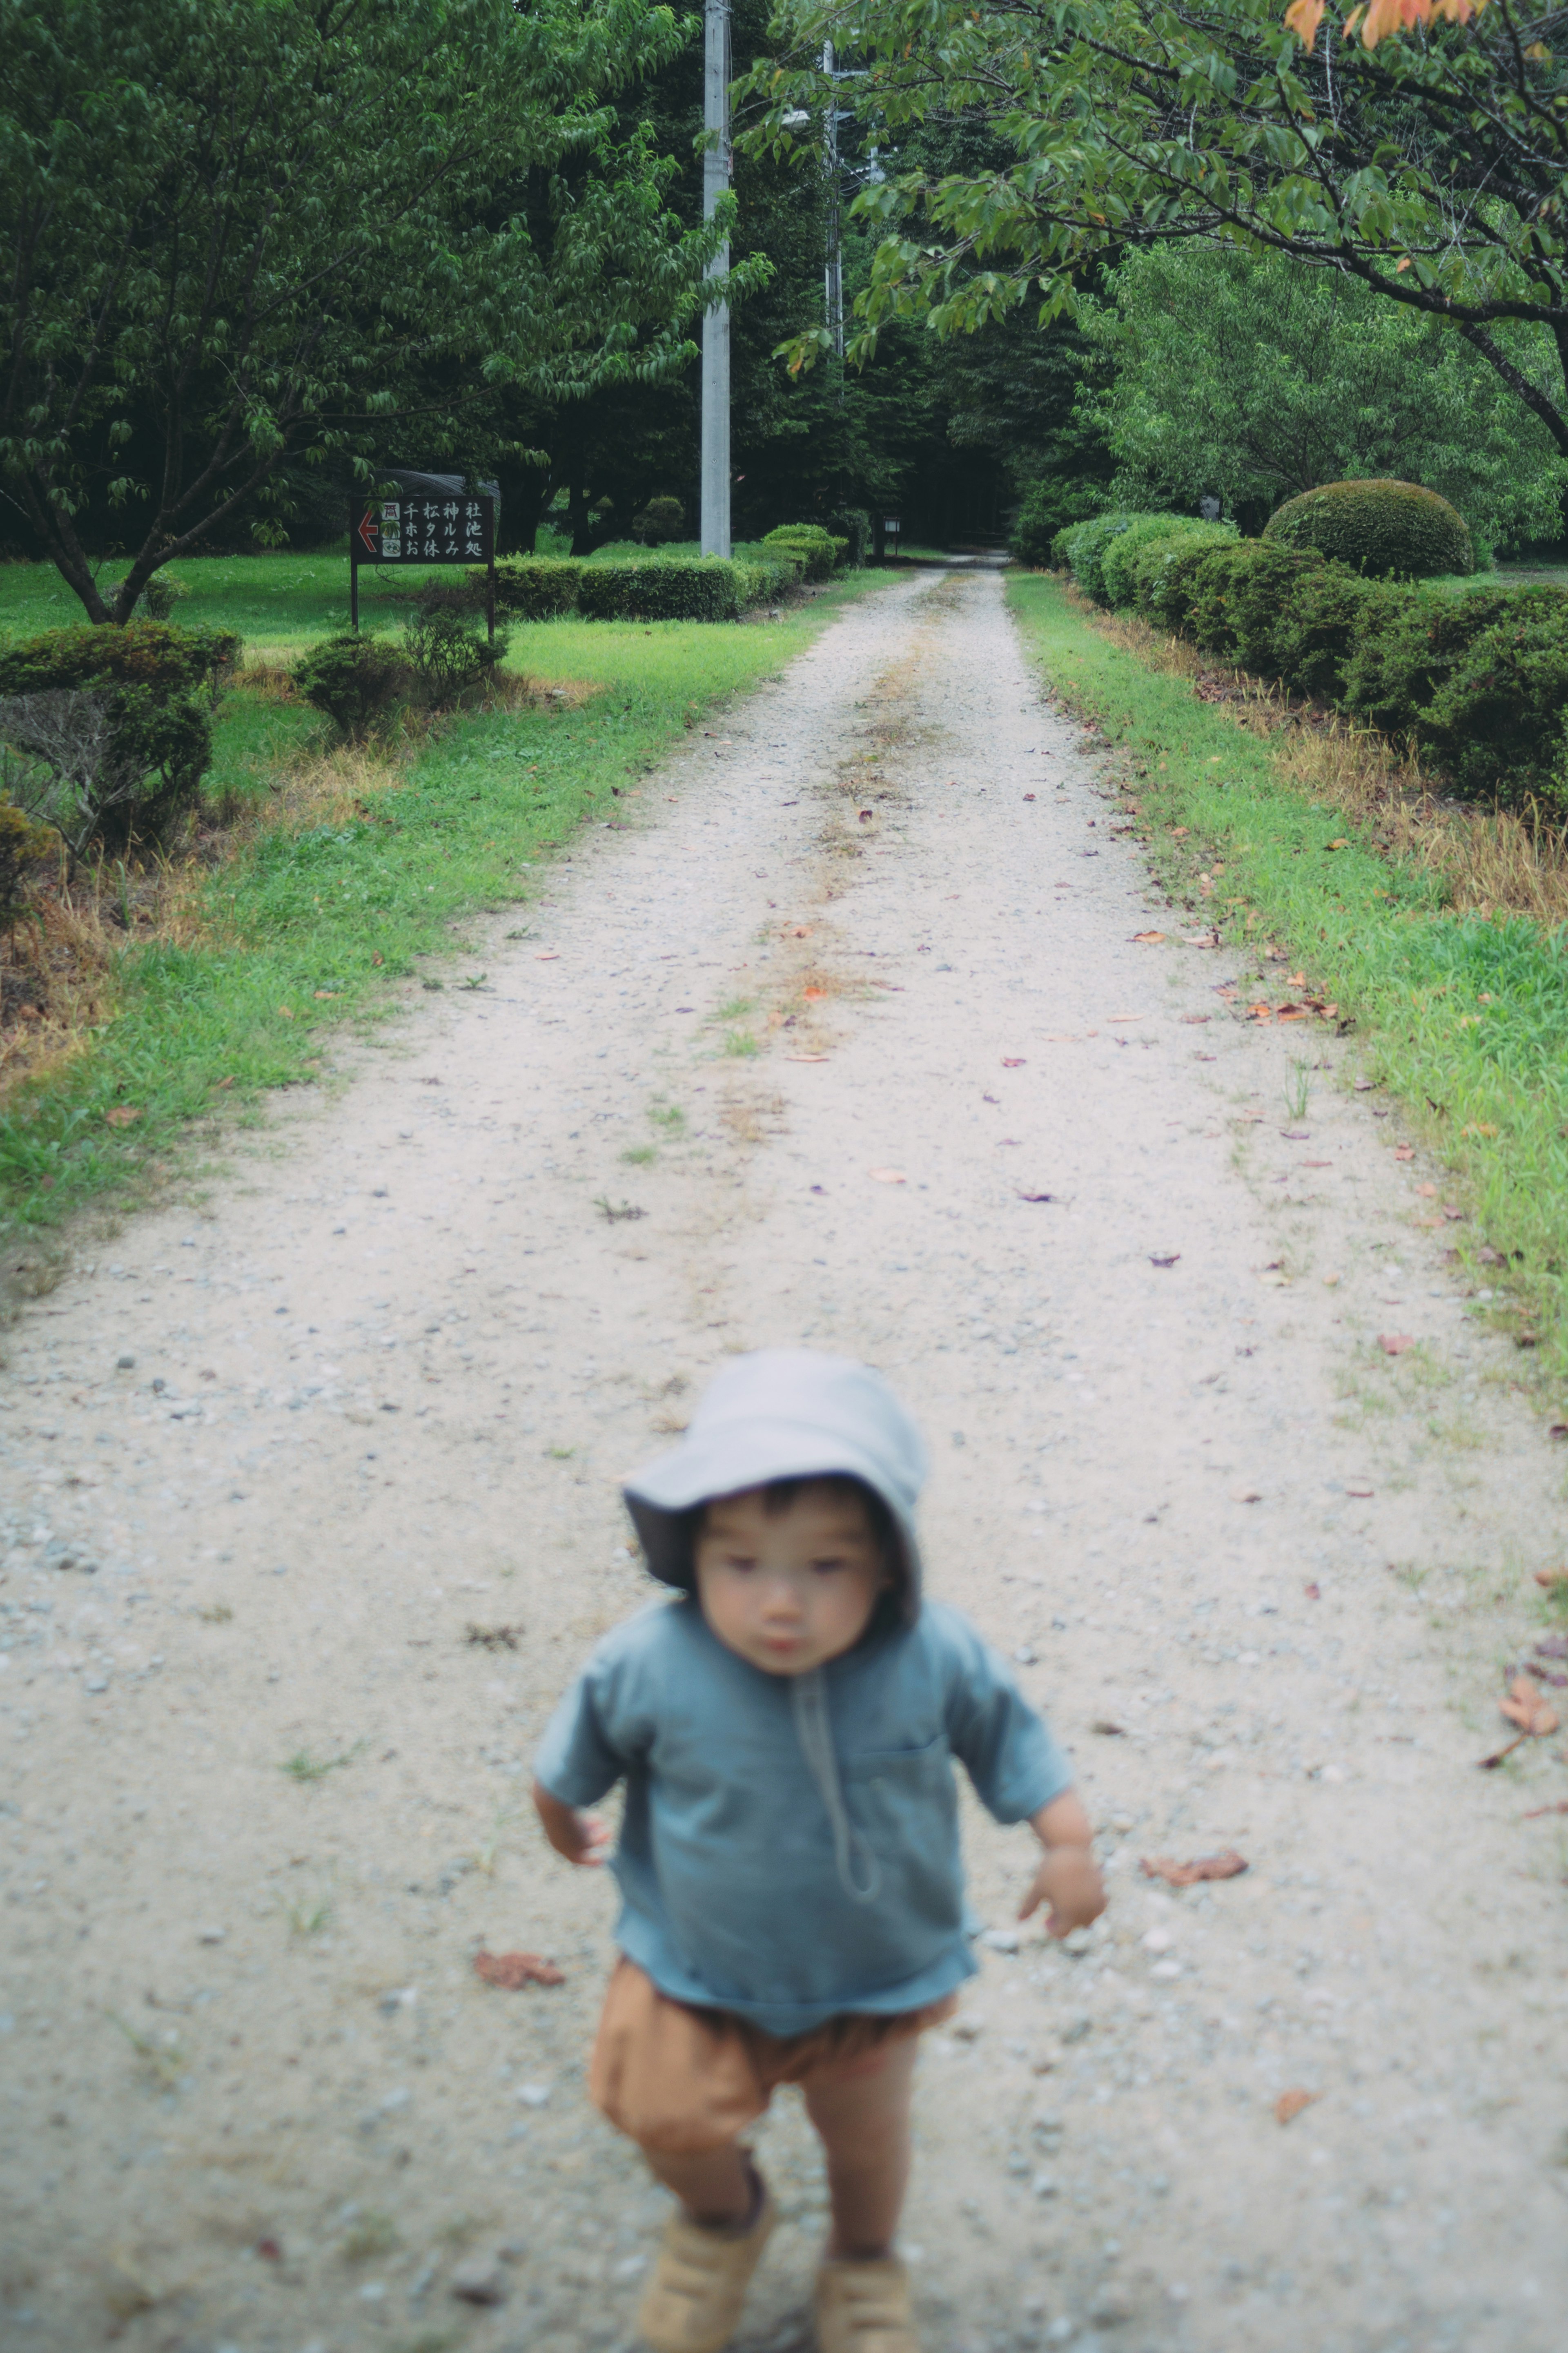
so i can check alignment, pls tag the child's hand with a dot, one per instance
(1068, 1881)
(581, 1838)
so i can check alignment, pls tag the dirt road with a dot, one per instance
(310, 1510)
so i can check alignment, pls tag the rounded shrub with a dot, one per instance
(355, 680)
(1119, 563)
(816, 548)
(1162, 566)
(1380, 528)
(661, 521)
(1088, 548)
(1497, 721)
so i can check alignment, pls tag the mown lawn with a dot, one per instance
(1466, 1019)
(313, 923)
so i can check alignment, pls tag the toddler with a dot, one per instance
(792, 1895)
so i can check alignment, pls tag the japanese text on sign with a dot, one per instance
(425, 531)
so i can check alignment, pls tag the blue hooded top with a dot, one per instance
(790, 1847)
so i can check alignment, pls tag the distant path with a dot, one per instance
(369, 1522)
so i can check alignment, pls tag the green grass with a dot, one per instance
(315, 926)
(1466, 1020)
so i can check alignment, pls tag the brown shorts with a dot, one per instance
(684, 2080)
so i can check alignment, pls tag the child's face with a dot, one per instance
(790, 1589)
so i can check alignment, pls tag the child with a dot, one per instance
(792, 1895)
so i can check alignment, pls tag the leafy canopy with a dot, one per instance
(240, 233)
(1433, 168)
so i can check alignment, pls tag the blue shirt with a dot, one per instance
(730, 1895)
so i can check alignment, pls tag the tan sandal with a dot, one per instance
(864, 2308)
(693, 2304)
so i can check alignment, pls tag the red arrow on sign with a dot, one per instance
(368, 529)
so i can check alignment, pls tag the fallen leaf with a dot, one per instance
(1012, 1061)
(1290, 2103)
(327, 992)
(219, 1084)
(1028, 797)
(1361, 1492)
(1228, 1865)
(122, 1115)
(1295, 980)
(1340, 843)
(1525, 1706)
(1313, 1592)
(814, 995)
(888, 1176)
(284, 1013)
(547, 955)
(513, 1971)
(1395, 1344)
(1556, 1646)
(377, 958)
(1166, 1258)
(1245, 1495)
(1194, 1021)
(1037, 1197)
(806, 1058)
(269, 2251)
(1551, 1577)
(1146, 939)
(1102, 1723)
(1428, 1192)
(1536, 1812)
(1405, 1152)
(1124, 1017)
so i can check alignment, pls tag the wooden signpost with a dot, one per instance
(424, 527)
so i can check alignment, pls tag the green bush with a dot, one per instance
(1328, 614)
(161, 596)
(814, 547)
(1161, 567)
(1380, 529)
(1495, 721)
(535, 587)
(761, 580)
(355, 680)
(1049, 508)
(115, 724)
(26, 846)
(1393, 672)
(1087, 542)
(1117, 564)
(448, 650)
(661, 520)
(671, 591)
(854, 524)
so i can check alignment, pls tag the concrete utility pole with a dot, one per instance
(833, 305)
(716, 322)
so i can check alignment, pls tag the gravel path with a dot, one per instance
(289, 1596)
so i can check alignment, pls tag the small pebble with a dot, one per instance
(479, 2280)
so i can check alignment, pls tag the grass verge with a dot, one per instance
(1463, 1014)
(347, 869)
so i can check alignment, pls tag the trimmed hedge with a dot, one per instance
(118, 720)
(1383, 530)
(535, 587)
(817, 550)
(1478, 681)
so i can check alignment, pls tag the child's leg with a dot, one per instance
(719, 2188)
(863, 2115)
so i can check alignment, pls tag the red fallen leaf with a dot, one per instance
(1405, 1152)
(1037, 1197)
(866, 815)
(1028, 797)
(1164, 1257)
(1363, 1490)
(813, 995)
(1313, 1592)
(1395, 1344)
(122, 1115)
(513, 1971)
(1546, 1675)
(1525, 1707)
(1228, 1865)
(269, 2250)
(1428, 1192)
(1536, 1812)
(1556, 1646)
(1012, 1061)
(1290, 2103)
(1364, 1086)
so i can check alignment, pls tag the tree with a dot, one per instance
(248, 233)
(1433, 168)
(1257, 378)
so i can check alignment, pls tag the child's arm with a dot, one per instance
(581, 1838)
(1067, 1879)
